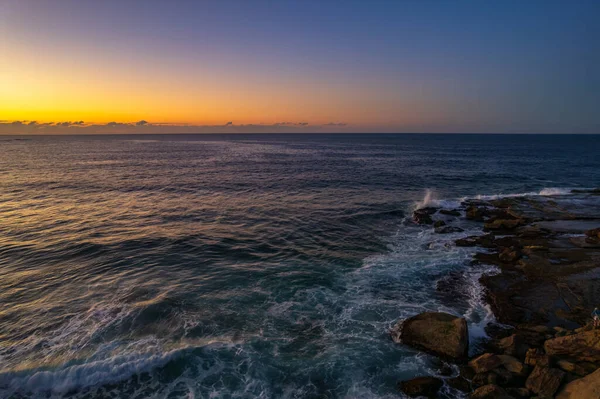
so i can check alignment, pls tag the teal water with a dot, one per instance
(243, 266)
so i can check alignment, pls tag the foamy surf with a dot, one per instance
(88, 374)
(430, 197)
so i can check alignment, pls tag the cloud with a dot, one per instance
(143, 126)
(335, 124)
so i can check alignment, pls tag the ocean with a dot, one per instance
(245, 266)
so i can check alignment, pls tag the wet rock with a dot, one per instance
(476, 213)
(513, 365)
(487, 258)
(490, 391)
(503, 224)
(421, 386)
(583, 191)
(509, 255)
(544, 381)
(507, 242)
(537, 357)
(450, 212)
(423, 215)
(514, 345)
(583, 347)
(459, 383)
(466, 371)
(486, 241)
(439, 223)
(593, 233)
(482, 379)
(466, 242)
(485, 363)
(448, 229)
(439, 333)
(586, 387)
(453, 288)
(518, 392)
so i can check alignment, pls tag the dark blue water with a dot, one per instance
(242, 266)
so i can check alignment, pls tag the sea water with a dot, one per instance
(243, 266)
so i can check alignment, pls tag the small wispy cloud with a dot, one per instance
(143, 126)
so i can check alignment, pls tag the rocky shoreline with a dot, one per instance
(547, 251)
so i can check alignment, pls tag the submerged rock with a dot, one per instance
(439, 223)
(421, 386)
(486, 241)
(439, 333)
(450, 212)
(448, 229)
(586, 387)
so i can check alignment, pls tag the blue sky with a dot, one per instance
(406, 66)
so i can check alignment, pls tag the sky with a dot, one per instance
(88, 66)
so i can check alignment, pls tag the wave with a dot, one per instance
(91, 373)
(430, 198)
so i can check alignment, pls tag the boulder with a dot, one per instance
(439, 223)
(439, 333)
(571, 367)
(423, 215)
(586, 387)
(513, 365)
(544, 381)
(583, 347)
(489, 391)
(537, 357)
(421, 386)
(514, 345)
(485, 363)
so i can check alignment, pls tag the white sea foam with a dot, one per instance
(88, 374)
(430, 197)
